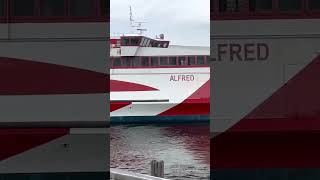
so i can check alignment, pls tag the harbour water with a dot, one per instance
(184, 148)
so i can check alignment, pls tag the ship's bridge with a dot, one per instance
(138, 40)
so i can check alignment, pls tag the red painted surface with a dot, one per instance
(118, 105)
(16, 141)
(197, 104)
(282, 132)
(117, 86)
(23, 77)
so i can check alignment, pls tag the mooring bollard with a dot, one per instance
(157, 168)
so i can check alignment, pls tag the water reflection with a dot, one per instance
(184, 148)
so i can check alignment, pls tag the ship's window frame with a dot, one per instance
(24, 16)
(103, 12)
(154, 59)
(300, 10)
(136, 61)
(203, 59)
(93, 13)
(125, 61)
(194, 61)
(41, 15)
(116, 59)
(127, 42)
(184, 61)
(207, 60)
(3, 9)
(311, 10)
(163, 59)
(260, 10)
(136, 39)
(143, 39)
(225, 11)
(145, 58)
(37, 12)
(165, 44)
(170, 60)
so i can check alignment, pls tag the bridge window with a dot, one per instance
(136, 61)
(229, 6)
(172, 60)
(260, 5)
(163, 61)
(182, 61)
(22, 7)
(2, 7)
(82, 8)
(191, 60)
(154, 61)
(134, 41)
(116, 62)
(314, 4)
(103, 7)
(145, 61)
(124, 41)
(200, 60)
(290, 5)
(52, 7)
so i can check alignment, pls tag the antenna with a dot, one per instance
(137, 24)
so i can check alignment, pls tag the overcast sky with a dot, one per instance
(183, 22)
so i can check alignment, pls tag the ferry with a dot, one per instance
(154, 81)
(53, 89)
(266, 102)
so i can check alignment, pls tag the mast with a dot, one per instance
(136, 24)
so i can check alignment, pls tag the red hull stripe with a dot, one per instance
(196, 104)
(23, 77)
(117, 86)
(260, 140)
(16, 141)
(118, 105)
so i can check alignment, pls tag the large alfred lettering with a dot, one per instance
(246, 52)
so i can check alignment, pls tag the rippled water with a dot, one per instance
(184, 148)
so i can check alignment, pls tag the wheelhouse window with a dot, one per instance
(145, 61)
(82, 8)
(191, 60)
(290, 5)
(104, 8)
(172, 60)
(229, 6)
(200, 60)
(136, 61)
(182, 61)
(2, 8)
(52, 7)
(134, 41)
(314, 5)
(148, 43)
(124, 41)
(116, 62)
(22, 7)
(163, 61)
(260, 5)
(154, 61)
